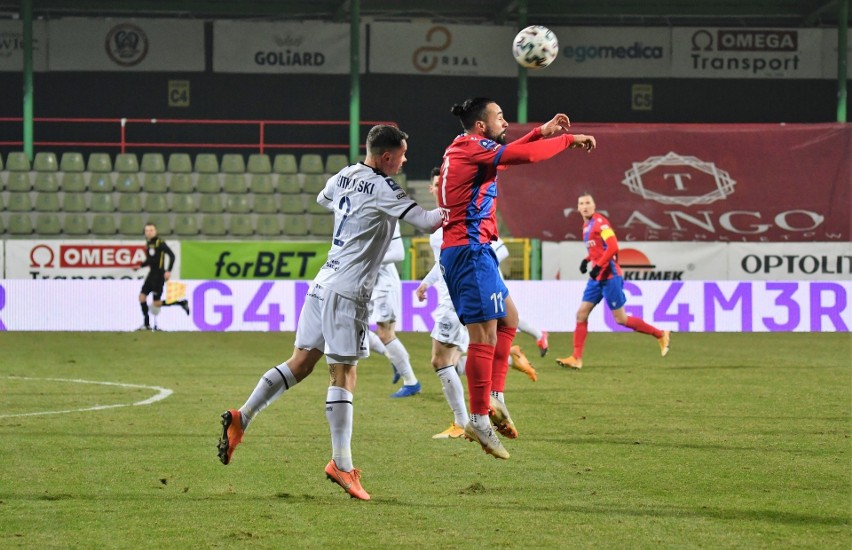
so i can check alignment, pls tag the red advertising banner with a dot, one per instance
(690, 182)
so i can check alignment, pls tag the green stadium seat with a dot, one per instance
(156, 203)
(265, 204)
(334, 163)
(401, 179)
(289, 184)
(1, 166)
(179, 163)
(261, 183)
(292, 204)
(311, 163)
(234, 183)
(19, 181)
(208, 183)
(154, 182)
(101, 182)
(2, 205)
(233, 163)
(238, 204)
(19, 202)
(46, 182)
(18, 161)
(183, 203)
(20, 225)
(47, 202)
(73, 182)
(314, 183)
(259, 164)
(126, 163)
(103, 225)
(211, 204)
(213, 225)
(74, 202)
(72, 162)
(239, 225)
(48, 224)
(181, 183)
(2, 224)
(322, 225)
(313, 207)
(101, 202)
(268, 225)
(131, 225)
(129, 203)
(99, 163)
(186, 225)
(153, 163)
(128, 183)
(45, 162)
(206, 163)
(161, 220)
(75, 224)
(295, 225)
(285, 163)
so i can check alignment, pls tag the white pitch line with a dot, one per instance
(162, 393)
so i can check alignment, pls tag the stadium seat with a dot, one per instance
(101, 182)
(289, 183)
(47, 202)
(206, 163)
(73, 182)
(129, 203)
(154, 182)
(186, 225)
(103, 225)
(313, 207)
(211, 204)
(261, 183)
(99, 163)
(126, 163)
(18, 172)
(127, 183)
(179, 163)
(46, 182)
(233, 163)
(234, 183)
(45, 162)
(131, 225)
(1, 162)
(20, 225)
(314, 183)
(2, 205)
(2, 224)
(239, 225)
(238, 204)
(264, 204)
(19, 202)
(295, 226)
(268, 226)
(156, 203)
(72, 162)
(181, 183)
(101, 202)
(334, 163)
(285, 163)
(292, 204)
(259, 164)
(208, 183)
(311, 163)
(48, 224)
(153, 163)
(183, 203)
(322, 225)
(213, 225)
(161, 220)
(74, 202)
(75, 224)
(18, 161)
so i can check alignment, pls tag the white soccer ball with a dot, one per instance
(535, 47)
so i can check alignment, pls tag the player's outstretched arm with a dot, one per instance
(557, 125)
(424, 220)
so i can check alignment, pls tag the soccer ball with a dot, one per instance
(535, 47)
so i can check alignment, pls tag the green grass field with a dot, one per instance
(733, 441)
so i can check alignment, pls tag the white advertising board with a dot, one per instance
(12, 45)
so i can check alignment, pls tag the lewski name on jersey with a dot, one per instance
(360, 186)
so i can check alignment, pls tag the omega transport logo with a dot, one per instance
(749, 51)
(83, 261)
(126, 44)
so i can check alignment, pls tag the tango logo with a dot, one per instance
(677, 179)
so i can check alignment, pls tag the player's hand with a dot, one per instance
(421, 292)
(595, 272)
(166, 275)
(584, 265)
(582, 141)
(557, 124)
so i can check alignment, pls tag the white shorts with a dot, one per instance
(334, 324)
(448, 329)
(384, 307)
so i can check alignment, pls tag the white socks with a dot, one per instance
(271, 385)
(460, 366)
(376, 344)
(398, 356)
(338, 411)
(524, 326)
(454, 392)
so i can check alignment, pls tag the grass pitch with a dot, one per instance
(733, 441)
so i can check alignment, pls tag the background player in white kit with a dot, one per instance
(367, 203)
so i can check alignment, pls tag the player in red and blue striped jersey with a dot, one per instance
(605, 282)
(467, 197)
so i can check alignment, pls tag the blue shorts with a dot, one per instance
(473, 279)
(612, 289)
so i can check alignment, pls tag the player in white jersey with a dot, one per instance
(384, 311)
(367, 203)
